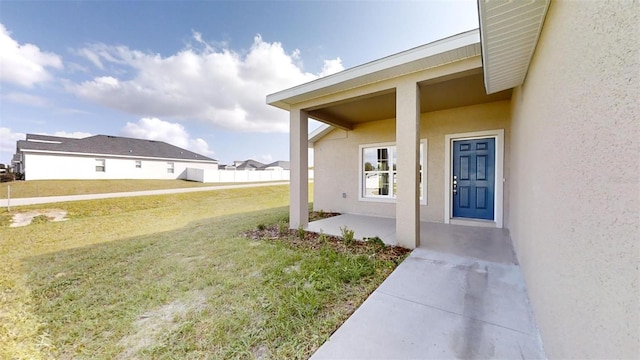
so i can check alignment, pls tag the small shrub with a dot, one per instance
(40, 219)
(7, 177)
(301, 232)
(261, 227)
(376, 242)
(347, 235)
(322, 237)
(283, 228)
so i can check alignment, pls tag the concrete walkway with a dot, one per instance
(55, 199)
(459, 295)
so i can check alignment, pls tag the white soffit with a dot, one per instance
(437, 53)
(509, 34)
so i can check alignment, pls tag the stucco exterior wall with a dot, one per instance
(575, 190)
(59, 167)
(337, 169)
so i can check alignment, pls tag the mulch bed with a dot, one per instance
(316, 241)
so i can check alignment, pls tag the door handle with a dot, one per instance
(455, 185)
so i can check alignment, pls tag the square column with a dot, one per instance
(408, 165)
(299, 181)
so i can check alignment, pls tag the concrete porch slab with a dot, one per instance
(489, 244)
(460, 295)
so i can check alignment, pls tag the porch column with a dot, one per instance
(299, 180)
(408, 165)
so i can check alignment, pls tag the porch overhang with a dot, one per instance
(458, 47)
(504, 44)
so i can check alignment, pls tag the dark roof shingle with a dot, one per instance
(109, 145)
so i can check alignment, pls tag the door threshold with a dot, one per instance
(473, 222)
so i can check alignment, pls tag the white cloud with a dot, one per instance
(331, 67)
(28, 64)
(26, 99)
(172, 133)
(8, 140)
(218, 86)
(265, 159)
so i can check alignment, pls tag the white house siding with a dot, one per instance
(60, 167)
(337, 169)
(575, 189)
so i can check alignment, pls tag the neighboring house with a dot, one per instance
(16, 164)
(276, 165)
(250, 165)
(44, 157)
(531, 124)
(253, 165)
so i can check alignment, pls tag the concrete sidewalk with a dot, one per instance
(460, 295)
(55, 199)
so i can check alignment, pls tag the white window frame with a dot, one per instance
(138, 164)
(171, 168)
(101, 163)
(391, 197)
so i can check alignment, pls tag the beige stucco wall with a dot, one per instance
(337, 169)
(575, 189)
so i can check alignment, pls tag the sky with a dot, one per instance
(192, 73)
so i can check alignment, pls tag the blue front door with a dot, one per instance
(473, 182)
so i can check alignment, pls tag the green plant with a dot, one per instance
(261, 227)
(347, 235)
(322, 237)
(301, 232)
(7, 177)
(283, 228)
(40, 219)
(376, 242)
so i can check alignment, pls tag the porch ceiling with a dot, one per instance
(437, 94)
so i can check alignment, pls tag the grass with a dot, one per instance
(171, 277)
(38, 188)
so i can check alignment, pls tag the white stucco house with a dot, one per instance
(44, 157)
(530, 123)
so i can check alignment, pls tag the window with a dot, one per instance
(138, 164)
(170, 167)
(378, 172)
(100, 165)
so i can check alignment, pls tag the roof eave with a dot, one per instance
(162, 158)
(515, 26)
(376, 70)
(319, 133)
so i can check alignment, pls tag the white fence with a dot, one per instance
(223, 176)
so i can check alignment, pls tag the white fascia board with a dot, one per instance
(115, 156)
(375, 70)
(318, 133)
(44, 141)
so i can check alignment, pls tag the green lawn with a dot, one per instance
(172, 277)
(38, 188)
